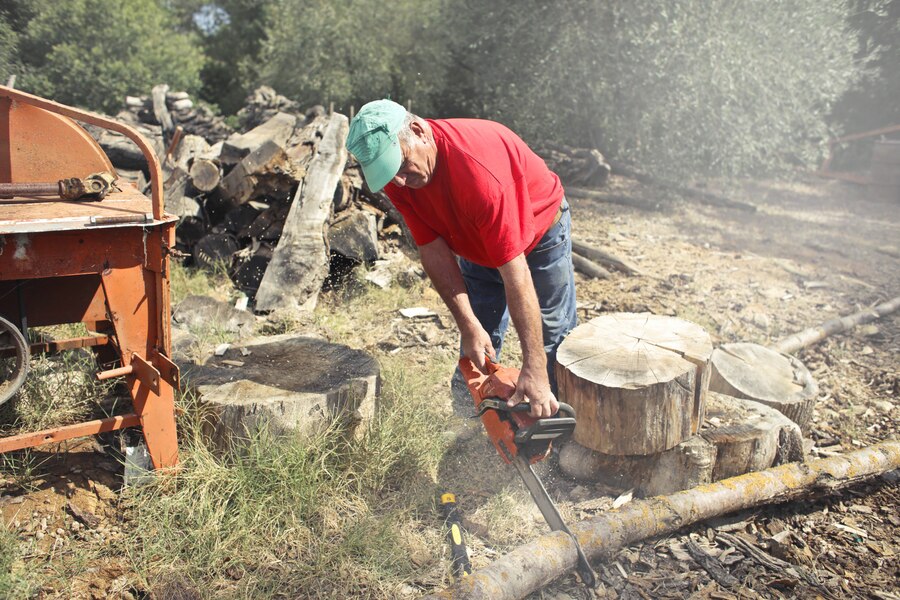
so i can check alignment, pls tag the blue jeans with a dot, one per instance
(550, 263)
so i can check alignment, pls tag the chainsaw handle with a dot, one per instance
(565, 409)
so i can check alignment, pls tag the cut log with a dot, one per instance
(355, 236)
(589, 268)
(754, 372)
(535, 564)
(189, 149)
(637, 381)
(242, 183)
(748, 436)
(300, 262)
(161, 111)
(604, 258)
(814, 335)
(205, 175)
(277, 130)
(687, 465)
(285, 384)
(214, 250)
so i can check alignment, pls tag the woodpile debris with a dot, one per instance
(280, 190)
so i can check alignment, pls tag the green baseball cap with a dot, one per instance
(373, 141)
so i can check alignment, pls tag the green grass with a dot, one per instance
(13, 580)
(60, 389)
(190, 281)
(331, 515)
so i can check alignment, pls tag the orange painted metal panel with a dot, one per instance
(41, 147)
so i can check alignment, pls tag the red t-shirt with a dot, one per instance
(490, 198)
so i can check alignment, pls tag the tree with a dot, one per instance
(95, 52)
(875, 101)
(693, 87)
(352, 51)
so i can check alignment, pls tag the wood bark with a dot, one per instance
(754, 372)
(161, 111)
(637, 381)
(604, 258)
(589, 268)
(300, 262)
(533, 565)
(814, 335)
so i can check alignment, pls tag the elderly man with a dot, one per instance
(473, 189)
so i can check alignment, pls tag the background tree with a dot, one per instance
(95, 52)
(875, 101)
(352, 51)
(721, 88)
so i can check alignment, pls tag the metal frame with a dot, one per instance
(113, 278)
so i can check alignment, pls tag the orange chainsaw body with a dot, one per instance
(499, 382)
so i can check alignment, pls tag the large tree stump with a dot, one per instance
(637, 381)
(754, 372)
(284, 385)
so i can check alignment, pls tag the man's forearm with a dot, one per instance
(525, 311)
(441, 267)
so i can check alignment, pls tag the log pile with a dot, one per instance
(244, 198)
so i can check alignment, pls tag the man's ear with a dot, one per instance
(417, 129)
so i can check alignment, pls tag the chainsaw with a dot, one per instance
(522, 440)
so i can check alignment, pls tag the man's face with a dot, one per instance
(419, 156)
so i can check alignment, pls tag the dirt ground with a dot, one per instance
(813, 250)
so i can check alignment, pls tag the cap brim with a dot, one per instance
(380, 171)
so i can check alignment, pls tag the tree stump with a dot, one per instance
(684, 466)
(754, 372)
(748, 436)
(285, 385)
(738, 436)
(637, 381)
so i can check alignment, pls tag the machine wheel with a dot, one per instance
(14, 369)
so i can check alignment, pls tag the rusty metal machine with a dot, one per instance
(77, 246)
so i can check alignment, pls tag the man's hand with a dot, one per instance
(534, 387)
(476, 343)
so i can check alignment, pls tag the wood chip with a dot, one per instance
(623, 499)
(233, 363)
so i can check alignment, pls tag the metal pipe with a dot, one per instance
(117, 372)
(9, 190)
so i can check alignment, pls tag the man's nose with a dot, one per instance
(399, 180)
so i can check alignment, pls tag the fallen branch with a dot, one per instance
(702, 196)
(640, 203)
(604, 258)
(533, 565)
(808, 337)
(589, 268)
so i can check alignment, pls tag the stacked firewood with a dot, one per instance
(239, 194)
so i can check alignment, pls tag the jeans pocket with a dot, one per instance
(556, 236)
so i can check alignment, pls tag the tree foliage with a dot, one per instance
(725, 87)
(875, 102)
(352, 51)
(94, 52)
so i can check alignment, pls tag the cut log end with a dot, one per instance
(637, 381)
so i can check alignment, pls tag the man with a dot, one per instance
(472, 189)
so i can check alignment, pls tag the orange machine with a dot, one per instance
(72, 250)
